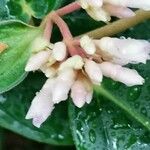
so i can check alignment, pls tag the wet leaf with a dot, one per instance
(15, 104)
(119, 116)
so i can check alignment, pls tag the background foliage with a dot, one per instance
(117, 119)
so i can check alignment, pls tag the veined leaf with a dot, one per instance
(18, 37)
(15, 104)
(25, 9)
(119, 116)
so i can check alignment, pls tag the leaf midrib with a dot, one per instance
(125, 106)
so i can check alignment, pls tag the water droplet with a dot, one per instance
(92, 136)
(61, 137)
(144, 111)
(137, 105)
(147, 123)
(2, 99)
(134, 93)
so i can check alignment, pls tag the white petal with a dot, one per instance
(63, 85)
(42, 105)
(84, 4)
(89, 97)
(78, 94)
(143, 4)
(88, 45)
(61, 90)
(95, 3)
(99, 14)
(59, 51)
(119, 11)
(74, 62)
(94, 72)
(48, 71)
(130, 77)
(37, 60)
(125, 50)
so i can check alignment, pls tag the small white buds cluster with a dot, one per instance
(75, 73)
(102, 10)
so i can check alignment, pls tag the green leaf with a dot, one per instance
(119, 116)
(18, 37)
(4, 12)
(26, 9)
(15, 104)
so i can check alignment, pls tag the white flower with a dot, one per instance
(68, 71)
(101, 10)
(74, 62)
(94, 72)
(90, 3)
(88, 45)
(48, 71)
(81, 92)
(37, 60)
(130, 77)
(99, 14)
(42, 105)
(59, 51)
(124, 51)
(63, 84)
(142, 4)
(118, 11)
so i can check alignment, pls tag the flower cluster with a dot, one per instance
(102, 10)
(74, 65)
(65, 73)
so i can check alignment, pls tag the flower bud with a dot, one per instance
(142, 4)
(42, 105)
(74, 62)
(119, 11)
(59, 51)
(48, 71)
(99, 14)
(78, 94)
(130, 77)
(63, 85)
(88, 45)
(125, 51)
(37, 60)
(95, 3)
(94, 72)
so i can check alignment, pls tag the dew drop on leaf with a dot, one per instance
(133, 93)
(144, 111)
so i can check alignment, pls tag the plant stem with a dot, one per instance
(63, 27)
(68, 9)
(48, 30)
(120, 25)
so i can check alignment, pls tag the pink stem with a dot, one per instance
(48, 30)
(68, 9)
(63, 27)
(76, 42)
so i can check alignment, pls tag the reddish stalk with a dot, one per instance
(63, 27)
(48, 30)
(68, 9)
